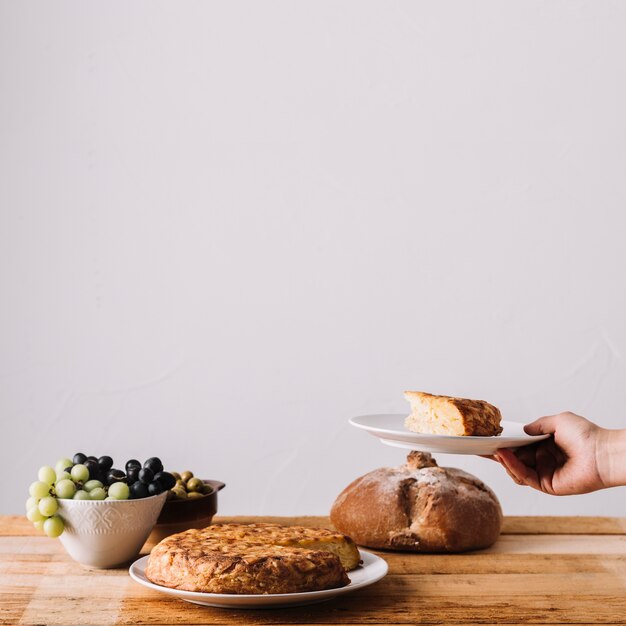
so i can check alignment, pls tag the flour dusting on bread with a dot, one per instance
(418, 507)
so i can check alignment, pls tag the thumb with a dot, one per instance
(542, 426)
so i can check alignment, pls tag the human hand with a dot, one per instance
(578, 458)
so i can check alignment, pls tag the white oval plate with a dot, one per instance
(372, 570)
(390, 429)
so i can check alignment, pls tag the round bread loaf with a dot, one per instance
(418, 507)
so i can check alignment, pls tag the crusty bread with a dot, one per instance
(445, 415)
(418, 507)
(253, 559)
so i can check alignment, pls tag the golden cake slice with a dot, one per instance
(445, 415)
(253, 559)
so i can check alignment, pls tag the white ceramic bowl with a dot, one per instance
(107, 534)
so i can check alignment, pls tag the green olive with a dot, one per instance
(194, 495)
(207, 489)
(176, 475)
(182, 484)
(186, 475)
(194, 484)
(179, 493)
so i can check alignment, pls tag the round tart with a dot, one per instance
(253, 559)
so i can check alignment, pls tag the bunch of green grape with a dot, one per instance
(57, 482)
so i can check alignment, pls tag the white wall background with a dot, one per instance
(226, 227)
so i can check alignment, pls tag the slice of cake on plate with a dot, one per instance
(445, 415)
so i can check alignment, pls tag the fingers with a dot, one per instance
(533, 465)
(506, 469)
(554, 450)
(547, 464)
(527, 454)
(518, 471)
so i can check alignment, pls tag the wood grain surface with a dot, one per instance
(543, 570)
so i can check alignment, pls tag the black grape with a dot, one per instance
(115, 476)
(79, 458)
(92, 466)
(166, 479)
(155, 488)
(154, 464)
(132, 463)
(105, 463)
(138, 490)
(146, 475)
(132, 475)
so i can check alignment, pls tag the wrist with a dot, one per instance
(611, 455)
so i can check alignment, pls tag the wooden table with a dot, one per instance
(541, 571)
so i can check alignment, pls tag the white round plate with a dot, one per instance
(372, 570)
(390, 429)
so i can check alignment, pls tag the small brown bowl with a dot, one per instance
(179, 515)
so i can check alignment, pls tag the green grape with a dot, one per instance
(48, 506)
(47, 475)
(53, 526)
(119, 491)
(92, 484)
(61, 464)
(34, 515)
(97, 494)
(63, 476)
(39, 524)
(110, 499)
(81, 495)
(80, 473)
(65, 489)
(39, 489)
(31, 502)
